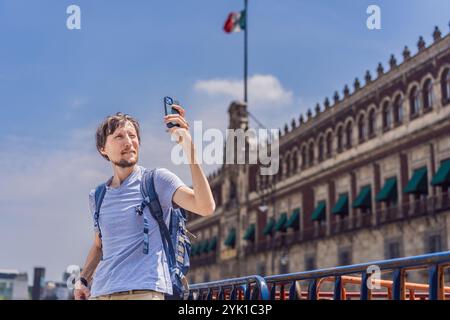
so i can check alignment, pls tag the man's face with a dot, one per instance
(122, 146)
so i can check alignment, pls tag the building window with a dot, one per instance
(311, 154)
(361, 129)
(329, 140)
(445, 85)
(310, 263)
(428, 95)
(288, 166)
(304, 161)
(398, 110)
(349, 134)
(284, 265)
(414, 101)
(393, 249)
(294, 162)
(344, 257)
(261, 269)
(387, 116)
(371, 122)
(339, 137)
(434, 243)
(279, 174)
(321, 149)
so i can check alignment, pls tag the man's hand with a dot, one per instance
(81, 292)
(199, 199)
(182, 132)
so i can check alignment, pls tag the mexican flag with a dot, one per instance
(235, 22)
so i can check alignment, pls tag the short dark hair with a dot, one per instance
(109, 126)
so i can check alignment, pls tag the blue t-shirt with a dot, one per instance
(125, 266)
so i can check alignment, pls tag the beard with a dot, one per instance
(125, 163)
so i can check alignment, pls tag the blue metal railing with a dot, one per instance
(257, 287)
(250, 288)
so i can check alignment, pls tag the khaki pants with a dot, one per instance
(134, 295)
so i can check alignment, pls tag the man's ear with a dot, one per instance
(102, 151)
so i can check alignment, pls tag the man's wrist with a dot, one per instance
(81, 281)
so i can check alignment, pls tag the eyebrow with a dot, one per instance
(129, 132)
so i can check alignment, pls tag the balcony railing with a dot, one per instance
(204, 259)
(359, 220)
(289, 286)
(245, 288)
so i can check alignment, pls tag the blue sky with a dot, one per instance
(56, 85)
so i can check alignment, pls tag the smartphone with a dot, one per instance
(168, 109)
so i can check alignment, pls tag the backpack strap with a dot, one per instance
(151, 200)
(100, 192)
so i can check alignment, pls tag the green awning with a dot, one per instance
(364, 198)
(203, 247)
(418, 183)
(442, 176)
(250, 232)
(341, 206)
(212, 244)
(281, 223)
(231, 239)
(293, 221)
(194, 250)
(389, 190)
(319, 212)
(268, 229)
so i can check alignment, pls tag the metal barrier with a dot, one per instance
(434, 263)
(244, 288)
(288, 286)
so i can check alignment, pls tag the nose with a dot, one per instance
(128, 141)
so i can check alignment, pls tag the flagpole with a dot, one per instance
(245, 50)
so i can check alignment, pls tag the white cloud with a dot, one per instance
(269, 101)
(265, 91)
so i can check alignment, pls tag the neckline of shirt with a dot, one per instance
(124, 182)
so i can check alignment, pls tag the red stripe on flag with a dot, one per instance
(228, 26)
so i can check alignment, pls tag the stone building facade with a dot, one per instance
(362, 178)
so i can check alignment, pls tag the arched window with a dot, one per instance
(387, 115)
(329, 144)
(445, 86)
(339, 137)
(349, 135)
(279, 174)
(321, 149)
(288, 166)
(304, 162)
(294, 162)
(372, 122)
(414, 101)
(428, 95)
(361, 129)
(398, 110)
(269, 180)
(311, 154)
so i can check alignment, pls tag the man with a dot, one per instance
(116, 267)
